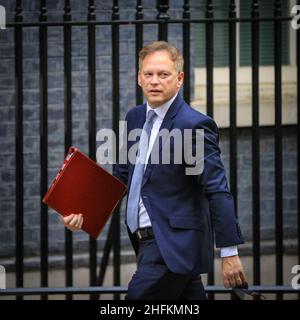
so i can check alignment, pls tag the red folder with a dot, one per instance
(82, 186)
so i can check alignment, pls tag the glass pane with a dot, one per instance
(266, 34)
(220, 42)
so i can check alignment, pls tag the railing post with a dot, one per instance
(68, 129)
(232, 104)
(43, 48)
(186, 51)
(209, 35)
(19, 148)
(92, 122)
(162, 8)
(138, 45)
(278, 145)
(255, 143)
(232, 101)
(298, 131)
(116, 115)
(209, 55)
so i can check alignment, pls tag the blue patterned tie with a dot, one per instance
(137, 177)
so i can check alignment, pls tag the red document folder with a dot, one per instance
(82, 186)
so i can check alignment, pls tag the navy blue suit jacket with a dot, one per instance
(184, 208)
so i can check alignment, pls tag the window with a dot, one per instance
(221, 42)
(220, 35)
(266, 40)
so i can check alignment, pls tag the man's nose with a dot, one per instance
(154, 79)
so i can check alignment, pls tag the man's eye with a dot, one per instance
(164, 75)
(147, 75)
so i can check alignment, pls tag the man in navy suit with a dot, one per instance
(176, 211)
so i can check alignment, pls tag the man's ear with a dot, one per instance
(139, 79)
(180, 79)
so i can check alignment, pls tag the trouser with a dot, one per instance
(154, 281)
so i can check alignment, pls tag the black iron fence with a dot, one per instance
(163, 21)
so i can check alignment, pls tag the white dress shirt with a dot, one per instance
(144, 220)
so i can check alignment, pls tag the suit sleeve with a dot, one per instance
(120, 170)
(214, 182)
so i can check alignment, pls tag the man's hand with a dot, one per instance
(232, 272)
(73, 222)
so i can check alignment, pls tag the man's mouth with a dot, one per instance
(154, 91)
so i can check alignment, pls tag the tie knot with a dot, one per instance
(151, 115)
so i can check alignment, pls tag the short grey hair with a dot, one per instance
(155, 46)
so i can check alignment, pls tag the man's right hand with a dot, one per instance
(73, 222)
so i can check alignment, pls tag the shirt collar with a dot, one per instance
(162, 110)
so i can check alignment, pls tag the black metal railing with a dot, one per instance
(68, 128)
(163, 20)
(123, 290)
(255, 143)
(19, 148)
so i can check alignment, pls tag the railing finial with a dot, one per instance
(186, 10)
(209, 9)
(67, 10)
(43, 11)
(162, 8)
(115, 10)
(91, 10)
(18, 14)
(139, 10)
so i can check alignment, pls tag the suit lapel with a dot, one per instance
(167, 124)
(140, 119)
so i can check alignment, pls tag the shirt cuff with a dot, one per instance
(229, 251)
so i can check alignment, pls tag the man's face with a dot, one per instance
(159, 78)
